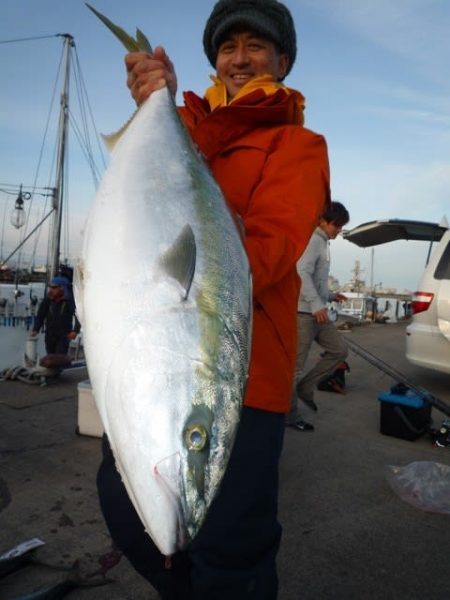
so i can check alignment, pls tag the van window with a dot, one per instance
(443, 269)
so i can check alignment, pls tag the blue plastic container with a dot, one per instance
(410, 398)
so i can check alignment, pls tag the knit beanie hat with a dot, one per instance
(267, 17)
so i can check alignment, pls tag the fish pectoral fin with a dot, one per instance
(179, 260)
(140, 44)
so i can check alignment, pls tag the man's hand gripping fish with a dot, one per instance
(163, 291)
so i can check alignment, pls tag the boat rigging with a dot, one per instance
(56, 193)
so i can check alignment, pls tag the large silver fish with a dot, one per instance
(163, 291)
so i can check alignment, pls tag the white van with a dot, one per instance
(428, 334)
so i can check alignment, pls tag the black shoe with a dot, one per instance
(301, 425)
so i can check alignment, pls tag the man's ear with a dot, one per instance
(283, 66)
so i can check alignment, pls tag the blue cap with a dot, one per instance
(58, 280)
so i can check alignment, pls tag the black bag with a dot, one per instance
(336, 381)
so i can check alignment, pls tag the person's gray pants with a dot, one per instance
(336, 350)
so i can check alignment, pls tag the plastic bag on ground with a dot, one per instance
(424, 484)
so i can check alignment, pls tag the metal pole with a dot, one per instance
(371, 269)
(58, 195)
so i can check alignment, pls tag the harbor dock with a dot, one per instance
(346, 534)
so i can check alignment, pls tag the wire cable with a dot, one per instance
(29, 39)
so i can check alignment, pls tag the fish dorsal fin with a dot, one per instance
(179, 260)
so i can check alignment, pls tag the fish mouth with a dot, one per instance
(184, 490)
(167, 473)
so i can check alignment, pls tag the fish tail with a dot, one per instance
(140, 44)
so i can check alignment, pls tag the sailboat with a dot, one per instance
(21, 289)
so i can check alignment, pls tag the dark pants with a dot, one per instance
(233, 555)
(56, 344)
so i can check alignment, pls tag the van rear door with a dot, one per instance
(374, 233)
(442, 274)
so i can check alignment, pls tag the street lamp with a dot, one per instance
(18, 214)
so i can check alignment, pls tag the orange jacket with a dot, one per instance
(275, 175)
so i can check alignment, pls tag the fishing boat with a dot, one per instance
(358, 306)
(23, 284)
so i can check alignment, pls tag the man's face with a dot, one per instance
(244, 56)
(55, 291)
(331, 229)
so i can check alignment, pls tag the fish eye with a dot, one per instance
(196, 437)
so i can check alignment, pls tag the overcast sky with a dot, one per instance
(374, 73)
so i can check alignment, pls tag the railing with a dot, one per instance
(13, 321)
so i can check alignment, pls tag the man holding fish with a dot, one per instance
(274, 175)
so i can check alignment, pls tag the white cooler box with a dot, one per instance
(89, 422)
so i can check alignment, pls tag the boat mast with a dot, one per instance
(58, 190)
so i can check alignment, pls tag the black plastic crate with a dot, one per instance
(403, 413)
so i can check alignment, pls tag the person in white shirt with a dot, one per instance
(312, 315)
